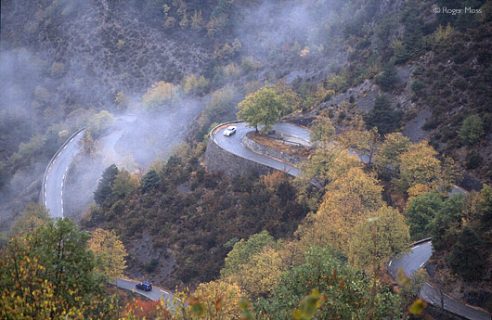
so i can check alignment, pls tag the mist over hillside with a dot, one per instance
(390, 99)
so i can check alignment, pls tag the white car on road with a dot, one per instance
(229, 131)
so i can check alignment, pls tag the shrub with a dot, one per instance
(473, 160)
(388, 79)
(160, 93)
(195, 84)
(471, 130)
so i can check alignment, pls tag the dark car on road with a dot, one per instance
(145, 286)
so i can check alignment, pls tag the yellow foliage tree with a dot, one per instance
(194, 84)
(387, 157)
(160, 93)
(419, 165)
(348, 200)
(109, 251)
(261, 273)
(216, 300)
(329, 162)
(378, 238)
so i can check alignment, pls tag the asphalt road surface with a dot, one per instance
(234, 144)
(416, 259)
(156, 294)
(56, 175)
(52, 198)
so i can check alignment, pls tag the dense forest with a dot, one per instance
(396, 96)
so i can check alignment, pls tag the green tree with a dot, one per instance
(150, 181)
(33, 216)
(485, 212)
(466, 259)
(346, 289)
(383, 116)
(446, 225)
(124, 184)
(104, 191)
(243, 250)
(266, 106)
(471, 130)
(50, 274)
(421, 212)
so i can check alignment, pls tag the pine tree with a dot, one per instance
(466, 259)
(383, 116)
(104, 190)
(388, 78)
(150, 181)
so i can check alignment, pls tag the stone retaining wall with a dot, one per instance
(220, 160)
(269, 152)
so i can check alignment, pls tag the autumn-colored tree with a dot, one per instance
(260, 274)
(363, 142)
(145, 309)
(159, 94)
(375, 241)
(383, 235)
(124, 183)
(387, 157)
(348, 200)
(193, 84)
(419, 165)
(329, 162)
(109, 251)
(322, 130)
(100, 122)
(216, 300)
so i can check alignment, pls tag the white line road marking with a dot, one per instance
(422, 264)
(389, 264)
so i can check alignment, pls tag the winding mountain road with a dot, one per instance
(409, 263)
(418, 256)
(55, 175)
(234, 144)
(52, 197)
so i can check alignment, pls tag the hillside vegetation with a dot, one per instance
(396, 95)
